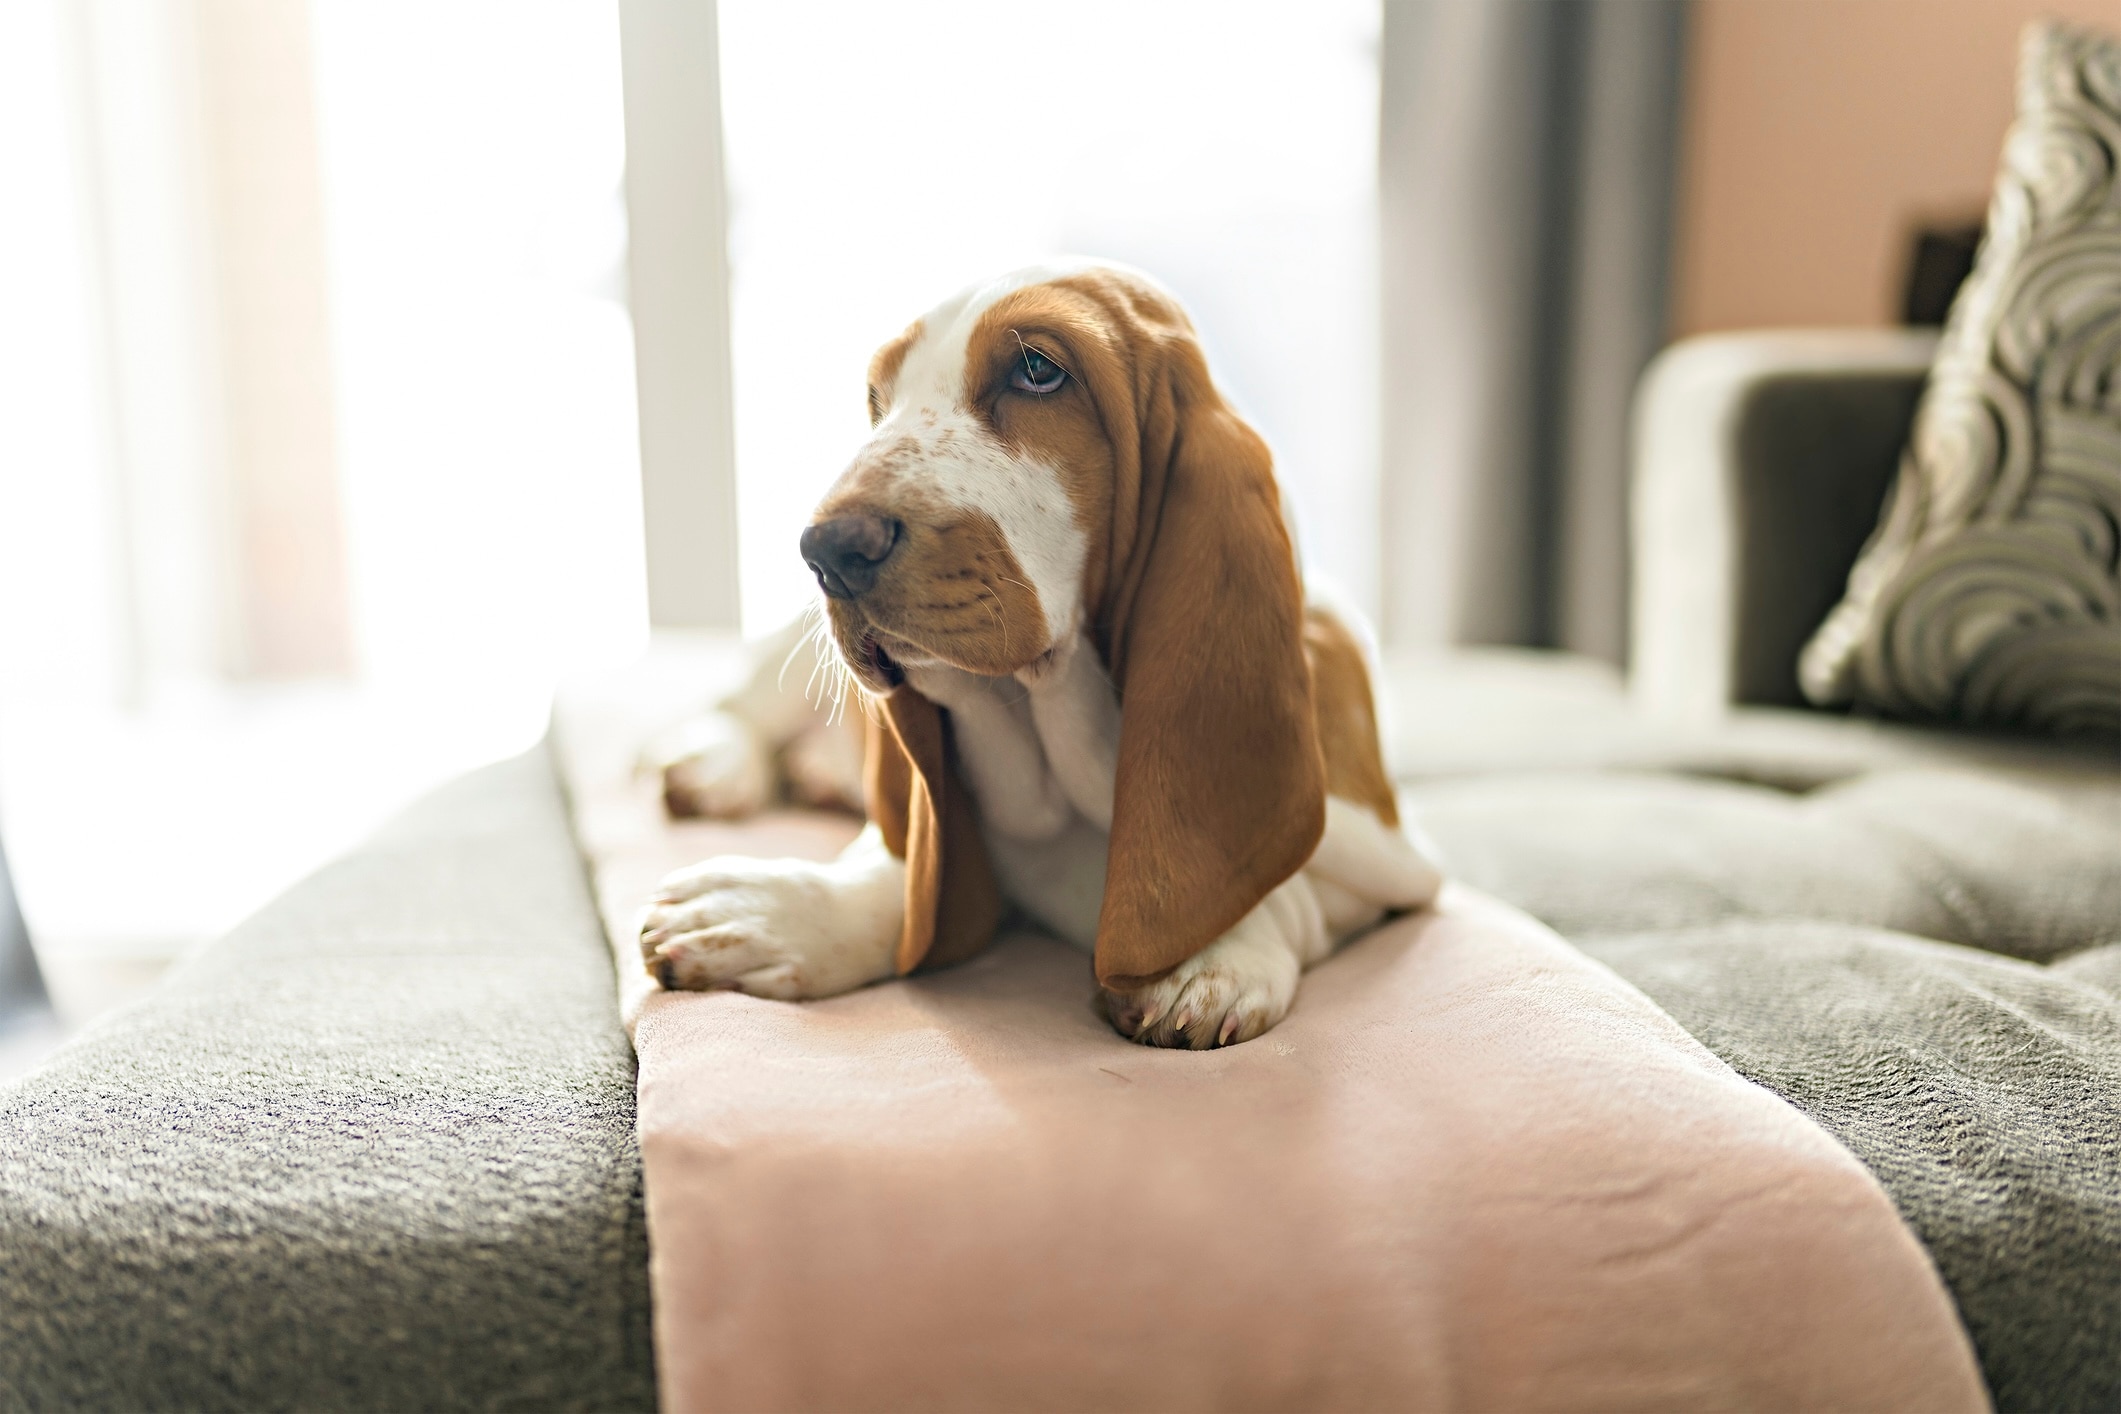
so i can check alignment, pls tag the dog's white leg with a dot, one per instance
(822, 766)
(721, 763)
(787, 690)
(784, 928)
(1363, 857)
(716, 765)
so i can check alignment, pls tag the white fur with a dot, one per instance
(722, 763)
(782, 928)
(1039, 757)
(1039, 752)
(954, 454)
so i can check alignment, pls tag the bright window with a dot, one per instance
(470, 156)
(882, 156)
(471, 164)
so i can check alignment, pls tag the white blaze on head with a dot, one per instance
(936, 442)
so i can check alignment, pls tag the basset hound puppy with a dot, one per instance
(1059, 575)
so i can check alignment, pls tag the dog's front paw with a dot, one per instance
(714, 766)
(773, 928)
(1232, 990)
(823, 767)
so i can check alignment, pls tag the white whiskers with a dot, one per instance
(825, 664)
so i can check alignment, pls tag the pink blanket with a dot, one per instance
(1472, 1170)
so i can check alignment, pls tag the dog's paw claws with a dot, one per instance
(1229, 992)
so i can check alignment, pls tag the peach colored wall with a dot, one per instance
(1818, 131)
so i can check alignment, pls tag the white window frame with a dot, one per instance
(678, 290)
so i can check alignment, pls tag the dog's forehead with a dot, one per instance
(932, 377)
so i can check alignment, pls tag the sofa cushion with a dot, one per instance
(1985, 1093)
(1867, 946)
(1991, 591)
(2026, 863)
(373, 1150)
(1483, 711)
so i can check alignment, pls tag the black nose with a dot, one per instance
(846, 552)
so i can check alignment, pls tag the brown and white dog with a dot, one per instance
(1058, 572)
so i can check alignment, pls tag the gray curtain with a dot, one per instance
(1526, 154)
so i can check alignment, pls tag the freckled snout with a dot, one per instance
(846, 552)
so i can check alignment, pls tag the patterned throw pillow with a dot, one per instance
(1989, 592)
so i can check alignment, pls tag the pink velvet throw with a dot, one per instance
(1472, 1170)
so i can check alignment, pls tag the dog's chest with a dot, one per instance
(1050, 860)
(1058, 743)
(1040, 759)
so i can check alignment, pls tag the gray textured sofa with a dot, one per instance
(375, 1149)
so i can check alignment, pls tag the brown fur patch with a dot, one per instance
(1194, 605)
(1347, 716)
(952, 590)
(884, 367)
(927, 818)
(1062, 429)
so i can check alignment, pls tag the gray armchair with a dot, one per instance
(1762, 460)
(1760, 463)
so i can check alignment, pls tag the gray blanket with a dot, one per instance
(374, 1150)
(1924, 961)
(1984, 1092)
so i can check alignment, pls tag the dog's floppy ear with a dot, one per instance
(1221, 787)
(926, 816)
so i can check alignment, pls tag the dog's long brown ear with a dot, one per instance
(916, 799)
(1221, 788)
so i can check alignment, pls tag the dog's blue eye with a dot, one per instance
(1035, 373)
